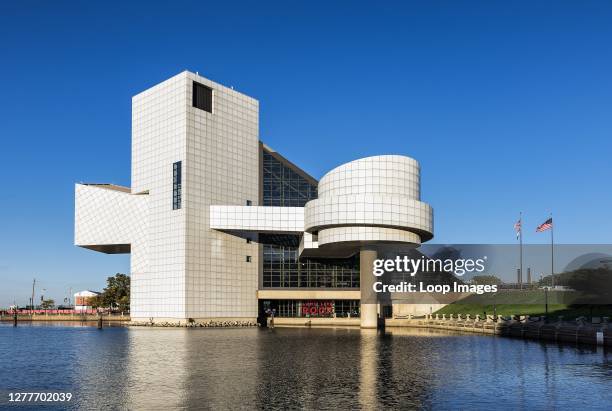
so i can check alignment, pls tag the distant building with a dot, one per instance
(82, 300)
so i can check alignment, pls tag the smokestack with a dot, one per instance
(528, 275)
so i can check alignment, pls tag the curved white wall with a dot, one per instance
(370, 199)
(389, 175)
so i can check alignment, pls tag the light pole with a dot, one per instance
(546, 304)
(32, 299)
(494, 308)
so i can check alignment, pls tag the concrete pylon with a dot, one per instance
(369, 301)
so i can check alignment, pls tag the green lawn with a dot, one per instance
(524, 303)
(503, 309)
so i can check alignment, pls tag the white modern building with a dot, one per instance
(82, 300)
(220, 226)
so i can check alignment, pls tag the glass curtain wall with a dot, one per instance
(282, 267)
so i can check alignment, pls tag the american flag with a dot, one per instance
(517, 228)
(546, 225)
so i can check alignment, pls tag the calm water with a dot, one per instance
(150, 368)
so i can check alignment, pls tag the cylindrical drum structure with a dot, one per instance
(369, 202)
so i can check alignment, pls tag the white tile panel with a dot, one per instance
(257, 218)
(367, 234)
(106, 216)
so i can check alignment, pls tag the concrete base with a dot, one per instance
(369, 299)
(314, 322)
(182, 321)
(369, 315)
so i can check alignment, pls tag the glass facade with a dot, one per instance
(313, 308)
(282, 267)
(283, 186)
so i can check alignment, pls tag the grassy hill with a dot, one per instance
(525, 302)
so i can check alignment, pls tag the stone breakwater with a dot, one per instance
(598, 331)
(195, 324)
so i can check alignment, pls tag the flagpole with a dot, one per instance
(521, 249)
(552, 251)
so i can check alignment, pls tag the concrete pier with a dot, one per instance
(369, 303)
(578, 331)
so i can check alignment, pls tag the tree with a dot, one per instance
(560, 279)
(96, 301)
(47, 304)
(593, 285)
(486, 280)
(435, 274)
(117, 293)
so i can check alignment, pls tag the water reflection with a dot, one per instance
(311, 368)
(157, 368)
(368, 367)
(151, 368)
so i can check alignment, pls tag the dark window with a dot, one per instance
(248, 258)
(202, 97)
(249, 202)
(176, 185)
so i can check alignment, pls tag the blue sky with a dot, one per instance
(505, 104)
